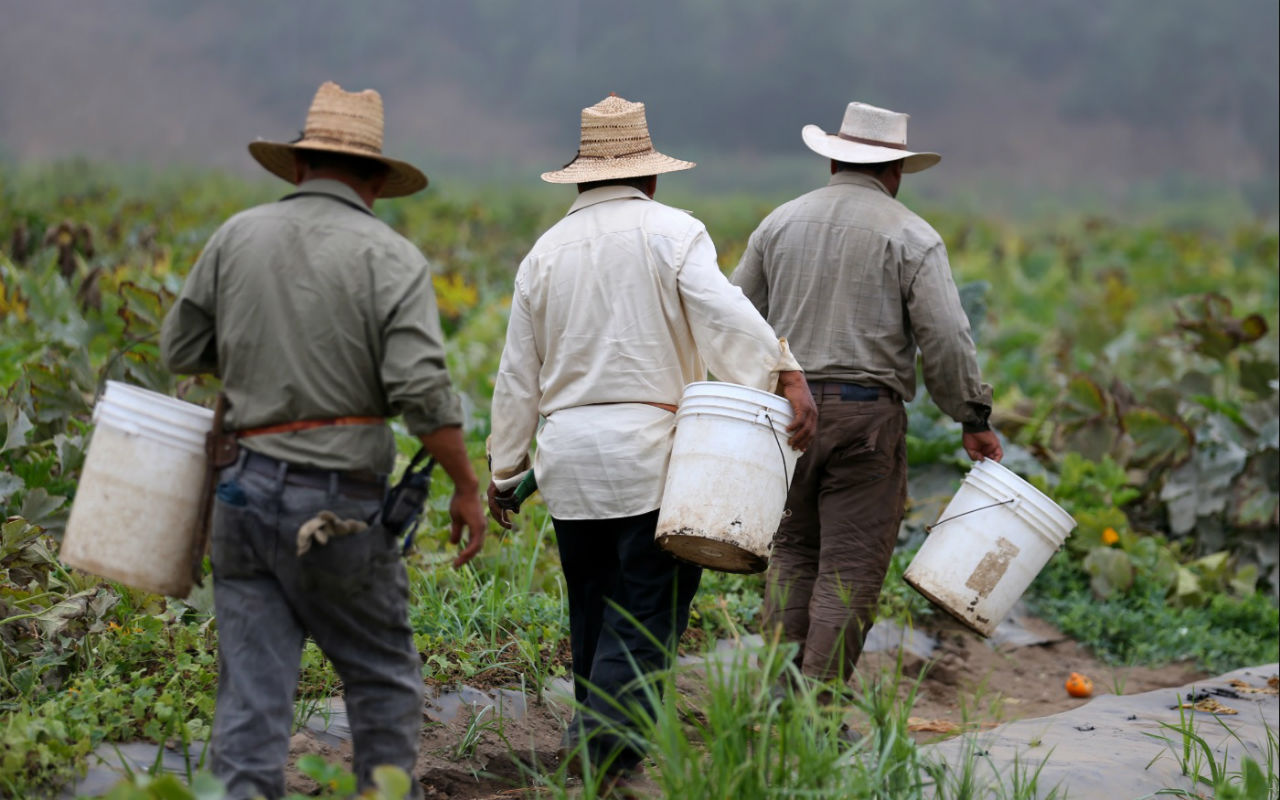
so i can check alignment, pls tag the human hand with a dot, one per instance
(497, 509)
(465, 512)
(983, 445)
(804, 424)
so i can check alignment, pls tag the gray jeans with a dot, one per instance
(350, 596)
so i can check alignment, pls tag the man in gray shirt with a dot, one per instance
(857, 283)
(321, 322)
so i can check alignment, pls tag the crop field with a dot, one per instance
(1135, 376)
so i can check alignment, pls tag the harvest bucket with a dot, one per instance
(988, 544)
(134, 515)
(728, 477)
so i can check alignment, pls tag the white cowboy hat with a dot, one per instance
(341, 122)
(868, 135)
(614, 144)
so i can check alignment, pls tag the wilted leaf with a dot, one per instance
(17, 426)
(87, 606)
(1157, 438)
(1111, 571)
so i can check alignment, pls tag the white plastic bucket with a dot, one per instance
(728, 477)
(988, 544)
(135, 510)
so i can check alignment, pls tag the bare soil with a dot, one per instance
(968, 684)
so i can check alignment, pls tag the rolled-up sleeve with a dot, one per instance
(413, 370)
(732, 337)
(516, 398)
(942, 333)
(188, 336)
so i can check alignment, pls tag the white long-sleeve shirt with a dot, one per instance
(619, 304)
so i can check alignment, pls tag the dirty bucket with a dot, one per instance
(135, 510)
(988, 544)
(728, 477)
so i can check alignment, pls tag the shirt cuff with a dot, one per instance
(980, 422)
(786, 363)
(438, 408)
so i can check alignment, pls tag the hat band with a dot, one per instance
(319, 137)
(875, 142)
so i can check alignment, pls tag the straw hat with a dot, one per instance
(868, 135)
(615, 143)
(341, 122)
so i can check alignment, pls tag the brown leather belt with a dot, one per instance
(308, 424)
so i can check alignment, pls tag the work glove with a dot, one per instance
(325, 526)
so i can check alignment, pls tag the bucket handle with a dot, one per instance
(786, 476)
(1011, 500)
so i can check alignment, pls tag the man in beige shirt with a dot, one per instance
(321, 322)
(616, 308)
(858, 284)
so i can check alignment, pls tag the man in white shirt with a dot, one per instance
(616, 308)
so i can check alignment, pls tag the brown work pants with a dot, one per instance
(831, 554)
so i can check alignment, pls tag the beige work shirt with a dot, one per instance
(312, 308)
(856, 282)
(617, 304)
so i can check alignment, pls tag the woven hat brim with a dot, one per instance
(832, 146)
(277, 158)
(586, 170)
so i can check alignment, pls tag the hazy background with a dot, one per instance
(1113, 106)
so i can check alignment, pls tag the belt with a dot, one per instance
(855, 392)
(358, 484)
(308, 424)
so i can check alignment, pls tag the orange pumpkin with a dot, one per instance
(1079, 686)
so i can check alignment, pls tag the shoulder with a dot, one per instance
(912, 230)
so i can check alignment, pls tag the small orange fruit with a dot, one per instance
(1079, 686)
(1110, 537)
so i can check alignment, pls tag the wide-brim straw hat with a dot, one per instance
(868, 135)
(615, 144)
(341, 122)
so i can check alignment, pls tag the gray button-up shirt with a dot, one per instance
(856, 282)
(312, 308)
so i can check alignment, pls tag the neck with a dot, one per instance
(367, 192)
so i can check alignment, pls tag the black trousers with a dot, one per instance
(613, 566)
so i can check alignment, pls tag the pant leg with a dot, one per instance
(648, 612)
(860, 506)
(589, 558)
(259, 644)
(352, 597)
(793, 564)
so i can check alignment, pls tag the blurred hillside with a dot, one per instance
(1097, 103)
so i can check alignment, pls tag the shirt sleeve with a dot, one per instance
(516, 398)
(732, 337)
(942, 333)
(413, 371)
(188, 336)
(749, 274)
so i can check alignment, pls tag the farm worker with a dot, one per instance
(616, 308)
(857, 283)
(321, 322)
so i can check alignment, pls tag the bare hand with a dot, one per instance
(983, 445)
(496, 510)
(804, 425)
(465, 512)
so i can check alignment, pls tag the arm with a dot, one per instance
(514, 414)
(950, 359)
(736, 342)
(749, 275)
(446, 446)
(188, 337)
(418, 388)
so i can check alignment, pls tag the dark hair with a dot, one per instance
(638, 182)
(359, 167)
(870, 169)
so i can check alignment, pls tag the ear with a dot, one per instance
(299, 169)
(650, 186)
(376, 185)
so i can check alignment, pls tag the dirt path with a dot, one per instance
(968, 685)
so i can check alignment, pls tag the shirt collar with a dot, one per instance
(847, 177)
(336, 189)
(603, 194)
